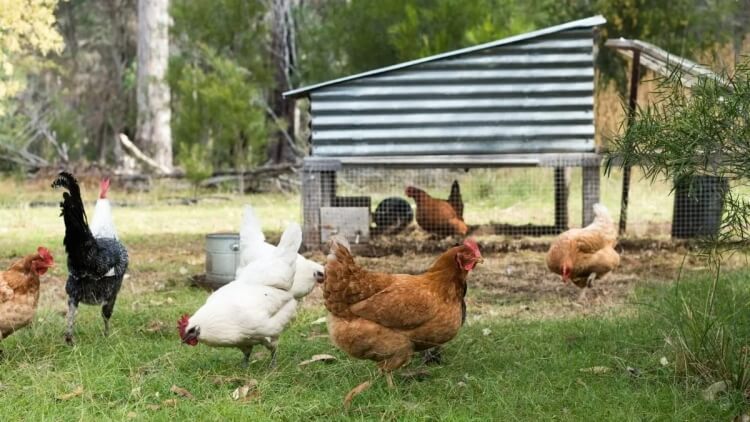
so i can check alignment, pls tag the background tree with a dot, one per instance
(154, 113)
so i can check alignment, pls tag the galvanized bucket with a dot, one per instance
(222, 258)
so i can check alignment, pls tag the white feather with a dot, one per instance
(102, 225)
(253, 247)
(242, 314)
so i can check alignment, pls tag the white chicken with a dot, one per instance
(253, 247)
(102, 225)
(254, 308)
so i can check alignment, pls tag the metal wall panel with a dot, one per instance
(535, 96)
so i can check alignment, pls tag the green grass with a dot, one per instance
(522, 370)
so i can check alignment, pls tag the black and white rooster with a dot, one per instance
(96, 266)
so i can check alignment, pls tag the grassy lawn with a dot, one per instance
(500, 367)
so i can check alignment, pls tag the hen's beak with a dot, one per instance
(480, 260)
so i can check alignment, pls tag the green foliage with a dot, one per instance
(704, 130)
(708, 331)
(684, 27)
(218, 77)
(360, 35)
(195, 160)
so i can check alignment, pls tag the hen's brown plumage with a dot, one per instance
(579, 253)
(439, 216)
(19, 291)
(387, 317)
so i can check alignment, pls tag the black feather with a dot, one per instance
(96, 267)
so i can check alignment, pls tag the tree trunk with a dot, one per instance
(282, 61)
(154, 133)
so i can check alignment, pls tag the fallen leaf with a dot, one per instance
(75, 393)
(221, 380)
(633, 371)
(155, 326)
(136, 392)
(317, 336)
(183, 270)
(486, 332)
(131, 415)
(153, 407)
(596, 369)
(321, 320)
(247, 391)
(742, 418)
(181, 392)
(713, 390)
(355, 391)
(318, 358)
(170, 402)
(461, 384)
(580, 382)
(663, 361)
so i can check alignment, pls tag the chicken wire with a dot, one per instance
(517, 201)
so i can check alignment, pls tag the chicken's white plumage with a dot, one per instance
(253, 247)
(255, 307)
(102, 225)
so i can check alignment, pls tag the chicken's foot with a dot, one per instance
(72, 309)
(590, 280)
(107, 309)
(272, 345)
(246, 359)
(432, 356)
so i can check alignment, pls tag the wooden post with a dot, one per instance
(590, 192)
(633, 101)
(562, 182)
(318, 190)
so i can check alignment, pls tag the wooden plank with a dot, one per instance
(590, 193)
(318, 190)
(353, 201)
(350, 222)
(562, 184)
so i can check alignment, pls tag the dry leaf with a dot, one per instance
(170, 402)
(153, 407)
(321, 320)
(710, 393)
(75, 393)
(131, 415)
(486, 332)
(317, 336)
(246, 392)
(663, 361)
(355, 391)
(595, 369)
(155, 326)
(181, 392)
(318, 358)
(221, 380)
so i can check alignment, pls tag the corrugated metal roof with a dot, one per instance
(582, 23)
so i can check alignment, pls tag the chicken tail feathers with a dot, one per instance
(603, 220)
(290, 242)
(251, 236)
(77, 232)
(455, 199)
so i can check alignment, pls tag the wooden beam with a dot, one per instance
(562, 181)
(590, 193)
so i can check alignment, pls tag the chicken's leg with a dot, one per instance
(246, 351)
(591, 279)
(433, 356)
(272, 345)
(107, 309)
(72, 309)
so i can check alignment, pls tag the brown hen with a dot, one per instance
(438, 216)
(387, 317)
(19, 290)
(583, 255)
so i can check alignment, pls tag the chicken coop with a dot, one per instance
(489, 139)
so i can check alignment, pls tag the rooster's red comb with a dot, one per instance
(104, 188)
(45, 254)
(182, 324)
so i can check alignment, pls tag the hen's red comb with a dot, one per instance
(104, 188)
(182, 324)
(45, 254)
(473, 246)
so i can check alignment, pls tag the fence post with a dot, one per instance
(318, 190)
(590, 191)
